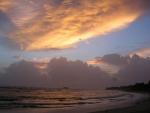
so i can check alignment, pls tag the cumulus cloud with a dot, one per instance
(110, 63)
(129, 70)
(59, 73)
(114, 59)
(59, 24)
(22, 73)
(76, 74)
(142, 52)
(137, 70)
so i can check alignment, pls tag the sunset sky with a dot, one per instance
(77, 29)
(39, 30)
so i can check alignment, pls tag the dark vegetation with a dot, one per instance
(138, 87)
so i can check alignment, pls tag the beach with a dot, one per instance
(139, 107)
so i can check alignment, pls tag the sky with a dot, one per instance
(123, 35)
(86, 30)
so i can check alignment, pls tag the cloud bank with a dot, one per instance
(60, 72)
(59, 24)
(129, 69)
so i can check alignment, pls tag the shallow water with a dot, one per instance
(21, 98)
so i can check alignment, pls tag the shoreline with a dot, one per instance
(142, 106)
(106, 108)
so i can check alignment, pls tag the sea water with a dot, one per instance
(21, 100)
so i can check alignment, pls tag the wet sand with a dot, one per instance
(139, 107)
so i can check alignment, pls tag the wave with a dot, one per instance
(37, 98)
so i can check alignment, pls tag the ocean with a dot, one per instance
(26, 100)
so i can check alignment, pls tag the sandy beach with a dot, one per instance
(139, 107)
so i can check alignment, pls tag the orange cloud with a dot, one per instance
(49, 24)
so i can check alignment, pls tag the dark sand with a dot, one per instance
(139, 107)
